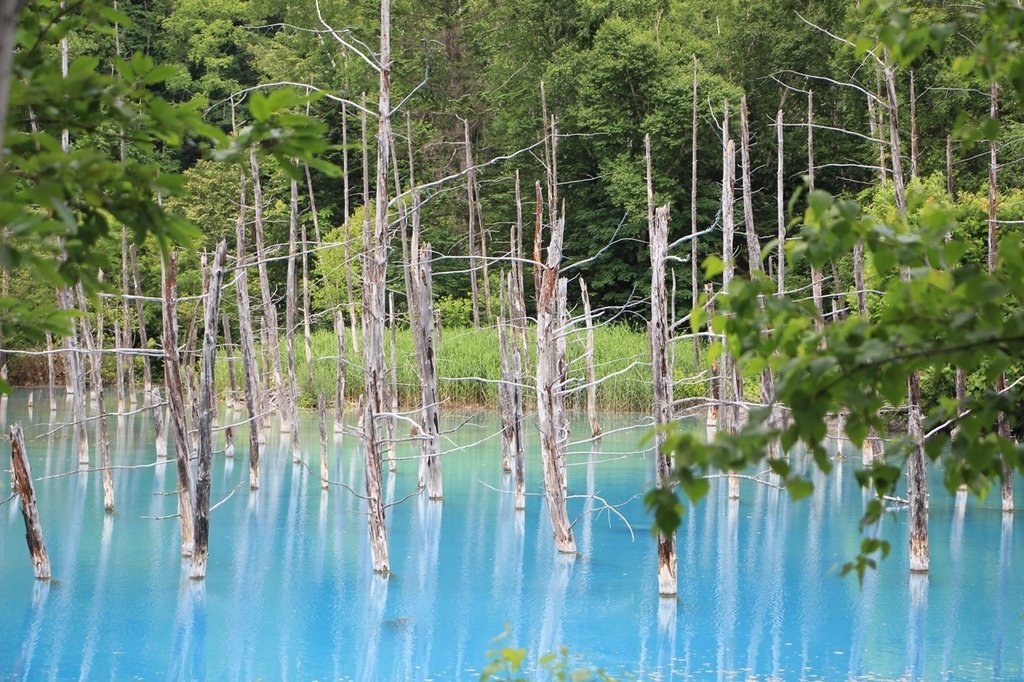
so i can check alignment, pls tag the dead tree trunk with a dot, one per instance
(22, 481)
(517, 291)
(914, 154)
(126, 313)
(229, 351)
(917, 487)
(659, 338)
(247, 341)
(392, 393)
(549, 372)
(471, 203)
(207, 408)
(423, 336)
(375, 249)
(172, 376)
(588, 355)
(51, 373)
(780, 205)
(147, 372)
(694, 271)
(75, 380)
(102, 436)
(350, 298)
(993, 253)
(269, 309)
(121, 343)
(307, 332)
(727, 416)
(505, 330)
(817, 278)
(325, 469)
(159, 435)
(292, 391)
(753, 243)
(339, 394)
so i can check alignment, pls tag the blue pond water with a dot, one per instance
(290, 594)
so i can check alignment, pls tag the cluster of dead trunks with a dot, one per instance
(378, 407)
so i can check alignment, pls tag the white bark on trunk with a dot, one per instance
(662, 381)
(588, 355)
(172, 377)
(291, 303)
(423, 336)
(549, 372)
(273, 345)
(917, 478)
(207, 410)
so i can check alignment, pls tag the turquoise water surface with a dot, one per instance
(289, 592)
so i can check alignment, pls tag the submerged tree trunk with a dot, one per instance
(207, 408)
(247, 340)
(392, 372)
(504, 389)
(102, 436)
(423, 336)
(1006, 488)
(694, 271)
(126, 324)
(549, 372)
(172, 377)
(917, 478)
(273, 345)
(22, 483)
(588, 360)
(229, 351)
(375, 251)
(75, 380)
(339, 394)
(51, 373)
(753, 243)
(147, 372)
(291, 394)
(662, 379)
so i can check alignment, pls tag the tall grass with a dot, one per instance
(469, 367)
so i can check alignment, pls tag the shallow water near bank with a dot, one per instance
(289, 592)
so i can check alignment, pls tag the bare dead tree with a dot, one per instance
(247, 341)
(273, 345)
(917, 487)
(662, 381)
(172, 378)
(22, 484)
(207, 409)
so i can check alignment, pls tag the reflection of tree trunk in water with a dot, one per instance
(726, 615)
